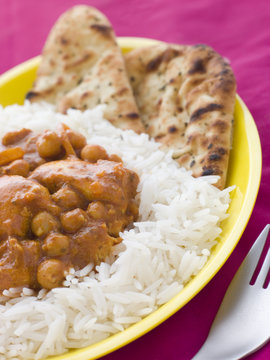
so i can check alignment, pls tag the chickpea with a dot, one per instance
(77, 140)
(18, 167)
(73, 220)
(67, 199)
(93, 153)
(50, 273)
(43, 223)
(56, 244)
(96, 210)
(49, 145)
(115, 158)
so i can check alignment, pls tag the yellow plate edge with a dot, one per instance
(206, 274)
(121, 339)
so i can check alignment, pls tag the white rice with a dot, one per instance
(170, 243)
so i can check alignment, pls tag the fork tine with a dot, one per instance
(249, 264)
(264, 270)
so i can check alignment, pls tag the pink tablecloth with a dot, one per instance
(239, 30)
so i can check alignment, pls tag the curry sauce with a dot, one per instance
(63, 203)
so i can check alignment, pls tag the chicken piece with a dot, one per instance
(18, 167)
(116, 221)
(11, 154)
(104, 180)
(93, 244)
(14, 137)
(63, 213)
(13, 271)
(20, 199)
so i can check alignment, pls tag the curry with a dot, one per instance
(63, 204)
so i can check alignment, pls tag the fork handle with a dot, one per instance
(208, 352)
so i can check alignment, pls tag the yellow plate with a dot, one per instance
(244, 172)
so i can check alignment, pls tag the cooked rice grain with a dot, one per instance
(178, 225)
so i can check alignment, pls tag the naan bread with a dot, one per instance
(186, 98)
(185, 94)
(82, 66)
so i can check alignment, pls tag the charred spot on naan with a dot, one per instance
(133, 116)
(186, 96)
(82, 66)
(172, 129)
(197, 114)
(198, 66)
(165, 57)
(105, 30)
(31, 95)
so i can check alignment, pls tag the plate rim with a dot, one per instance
(130, 334)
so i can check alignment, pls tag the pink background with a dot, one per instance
(240, 31)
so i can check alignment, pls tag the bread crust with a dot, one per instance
(186, 99)
(182, 96)
(82, 66)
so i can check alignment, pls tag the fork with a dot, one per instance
(242, 324)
